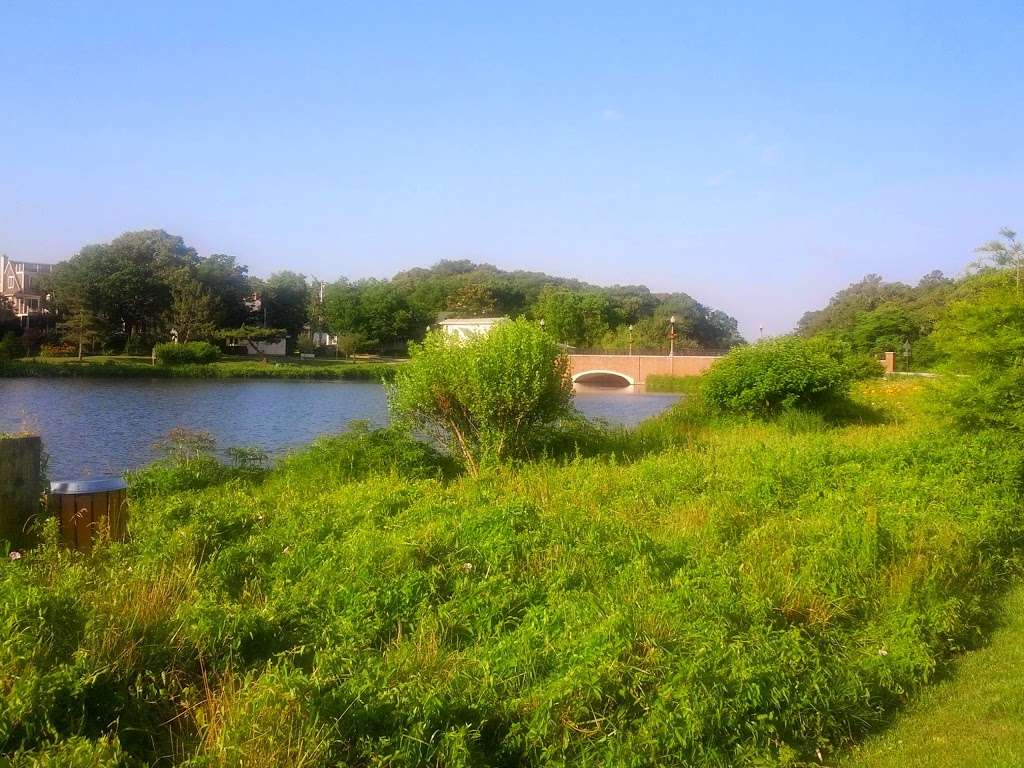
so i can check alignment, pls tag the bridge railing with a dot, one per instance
(645, 351)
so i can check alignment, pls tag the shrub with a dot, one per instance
(485, 397)
(781, 373)
(192, 352)
(11, 347)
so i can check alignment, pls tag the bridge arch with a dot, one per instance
(603, 376)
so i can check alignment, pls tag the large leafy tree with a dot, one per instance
(227, 282)
(285, 299)
(126, 283)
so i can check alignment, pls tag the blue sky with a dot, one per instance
(758, 156)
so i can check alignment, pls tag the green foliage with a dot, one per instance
(11, 347)
(983, 337)
(484, 397)
(753, 595)
(195, 352)
(874, 316)
(285, 298)
(781, 373)
(226, 369)
(193, 310)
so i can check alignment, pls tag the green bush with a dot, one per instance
(781, 373)
(182, 354)
(485, 397)
(11, 347)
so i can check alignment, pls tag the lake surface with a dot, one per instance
(93, 427)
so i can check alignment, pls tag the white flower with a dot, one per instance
(15, 555)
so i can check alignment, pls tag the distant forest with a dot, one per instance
(130, 293)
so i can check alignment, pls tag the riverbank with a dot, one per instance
(142, 368)
(697, 591)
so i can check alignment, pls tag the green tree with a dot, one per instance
(1006, 253)
(227, 282)
(80, 328)
(193, 310)
(487, 397)
(125, 284)
(472, 300)
(286, 301)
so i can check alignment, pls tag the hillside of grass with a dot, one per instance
(714, 592)
(142, 368)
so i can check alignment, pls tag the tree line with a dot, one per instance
(144, 287)
(875, 315)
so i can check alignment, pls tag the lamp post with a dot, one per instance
(672, 336)
(906, 353)
(630, 340)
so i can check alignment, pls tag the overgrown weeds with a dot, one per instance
(752, 591)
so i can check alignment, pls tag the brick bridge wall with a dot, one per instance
(639, 367)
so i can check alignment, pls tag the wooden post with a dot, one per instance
(21, 486)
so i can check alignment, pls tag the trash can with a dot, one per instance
(84, 508)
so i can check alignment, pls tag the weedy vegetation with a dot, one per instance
(717, 590)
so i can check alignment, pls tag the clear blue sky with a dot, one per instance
(758, 156)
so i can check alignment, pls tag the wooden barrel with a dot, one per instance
(85, 508)
(21, 487)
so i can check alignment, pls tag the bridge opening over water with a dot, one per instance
(632, 370)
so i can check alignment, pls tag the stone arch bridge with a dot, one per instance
(633, 370)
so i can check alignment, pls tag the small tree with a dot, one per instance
(487, 397)
(80, 329)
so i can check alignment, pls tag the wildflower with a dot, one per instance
(467, 567)
(882, 651)
(15, 555)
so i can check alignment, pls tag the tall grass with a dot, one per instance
(724, 592)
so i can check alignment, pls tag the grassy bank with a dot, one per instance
(141, 368)
(973, 719)
(736, 592)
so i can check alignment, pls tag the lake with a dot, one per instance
(93, 427)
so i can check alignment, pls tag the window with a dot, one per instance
(10, 283)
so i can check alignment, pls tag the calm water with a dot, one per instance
(95, 427)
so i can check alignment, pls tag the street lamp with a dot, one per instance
(672, 336)
(630, 340)
(906, 353)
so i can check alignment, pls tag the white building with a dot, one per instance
(464, 328)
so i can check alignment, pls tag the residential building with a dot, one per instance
(19, 285)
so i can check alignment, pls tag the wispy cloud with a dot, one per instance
(611, 115)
